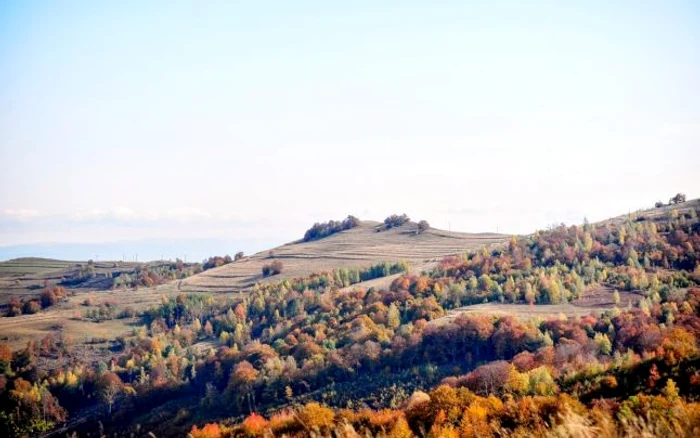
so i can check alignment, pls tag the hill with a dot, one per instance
(24, 278)
(358, 247)
(570, 328)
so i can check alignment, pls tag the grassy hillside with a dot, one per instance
(571, 328)
(358, 247)
(32, 266)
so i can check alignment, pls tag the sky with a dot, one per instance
(214, 125)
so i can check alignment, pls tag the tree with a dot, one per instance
(393, 318)
(489, 378)
(423, 226)
(254, 425)
(209, 430)
(678, 199)
(276, 267)
(603, 343)
(110, 386)
(48, 298)
(5, 359)
(616, 298)
(208, 328)
(316, 418)
(658, 204)
(273, 268)
(241, 382)
(31, 307)
(239, 255)
(321, 230)
(678, 345)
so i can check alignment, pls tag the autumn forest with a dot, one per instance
(331, 355)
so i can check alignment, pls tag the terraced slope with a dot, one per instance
(32, 266)
(359, 247)
(25, 277)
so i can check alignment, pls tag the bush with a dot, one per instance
(31, 307)
(14, 307)
(321, 230)
(52, 295)
(658, 204)
(48, 298)
(239, 255)
(273, 268)
(276, 267)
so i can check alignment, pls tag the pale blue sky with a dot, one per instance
(252, 120)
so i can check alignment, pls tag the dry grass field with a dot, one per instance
(654, 214)
(32, 266)
(25, 277)
(359, 247)
(595, 300)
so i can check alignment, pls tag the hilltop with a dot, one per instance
(358, 247)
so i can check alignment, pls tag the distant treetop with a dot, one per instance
(423, 226)
(321, 230)
(395, 220)
(678, 199)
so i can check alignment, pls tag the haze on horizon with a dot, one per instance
(231, 122)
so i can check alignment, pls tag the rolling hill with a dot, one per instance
(551, 302)
(358, 247)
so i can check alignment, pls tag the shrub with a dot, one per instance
(128, 312)
(31, 307)
(48, 298)
(14, 307)
(273, 268)
(276, 267)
